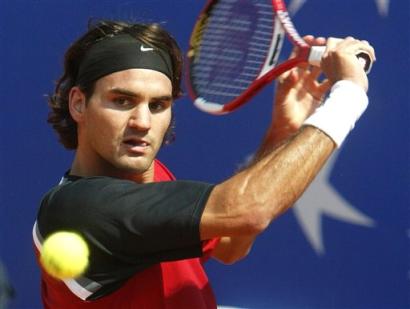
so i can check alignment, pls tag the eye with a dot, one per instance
(123, 101)
(158, 106)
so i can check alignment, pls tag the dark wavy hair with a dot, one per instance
(152, 34)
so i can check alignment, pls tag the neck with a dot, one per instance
(83, 167)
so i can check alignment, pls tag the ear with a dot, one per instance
(76, 103)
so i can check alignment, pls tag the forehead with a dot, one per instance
(139, 80)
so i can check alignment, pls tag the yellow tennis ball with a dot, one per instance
(65, 255)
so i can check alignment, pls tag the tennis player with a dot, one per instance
(148, 233)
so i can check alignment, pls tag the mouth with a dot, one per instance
(135, 145)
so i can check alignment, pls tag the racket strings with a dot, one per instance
(232, 45)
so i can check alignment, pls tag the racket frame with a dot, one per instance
(283, 26)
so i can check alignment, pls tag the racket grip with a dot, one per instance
(316, 53)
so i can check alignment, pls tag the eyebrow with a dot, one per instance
(129, 93)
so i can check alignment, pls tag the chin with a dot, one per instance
(137, 166)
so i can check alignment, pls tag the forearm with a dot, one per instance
(282, 176)
(234, 248)
(273, 139)
(248, 201)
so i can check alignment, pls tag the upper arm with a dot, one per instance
(131, 220)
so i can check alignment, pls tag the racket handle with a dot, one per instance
(316, 53)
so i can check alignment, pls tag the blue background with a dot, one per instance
(360, 267)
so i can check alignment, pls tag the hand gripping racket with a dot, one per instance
(234, 51)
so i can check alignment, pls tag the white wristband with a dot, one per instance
(338, 114)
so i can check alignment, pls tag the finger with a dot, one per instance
(351, 46)
(308, 39)
(285, 75)
(287, 79)
(309, 72)
(294, 52)
(303, 67)
(311, 40)
(332, 43)
(315, 72)
(320, 41)
(324, 86)
(356, 46)
(320, 90)
(369, 49)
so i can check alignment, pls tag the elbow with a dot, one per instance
(255, 221)
(233, 258)
(236, 214)
(233, 249)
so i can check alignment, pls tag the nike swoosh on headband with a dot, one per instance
(145, 49)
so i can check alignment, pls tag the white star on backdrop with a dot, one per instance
(383, 7)
(322, 199)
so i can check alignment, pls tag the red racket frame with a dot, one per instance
(282, 15)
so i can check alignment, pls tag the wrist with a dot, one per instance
(337, 116)
(277, 134)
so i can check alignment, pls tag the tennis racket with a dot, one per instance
(234, 51)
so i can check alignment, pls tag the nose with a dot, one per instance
(140, 118)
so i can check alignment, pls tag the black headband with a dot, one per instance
(122, 52)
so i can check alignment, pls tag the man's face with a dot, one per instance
(125, 121)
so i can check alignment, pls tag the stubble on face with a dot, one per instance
(126, 120)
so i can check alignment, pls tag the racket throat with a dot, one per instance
(274, 50)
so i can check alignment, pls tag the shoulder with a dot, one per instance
(83, 191)
(88, 198)
(76, 202)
